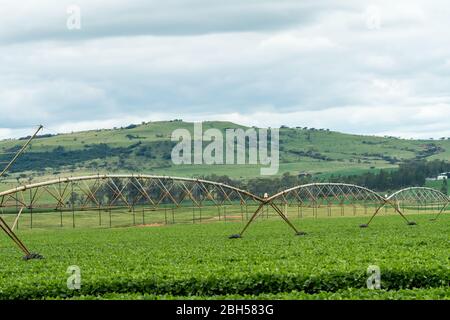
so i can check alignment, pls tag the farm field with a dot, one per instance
(198, 261)
(168, 215)
(147, 148)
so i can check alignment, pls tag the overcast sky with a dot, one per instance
(379, 67)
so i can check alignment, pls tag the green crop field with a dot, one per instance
(198, 261)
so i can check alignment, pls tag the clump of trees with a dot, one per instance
(60, 156)
(261, 185)
(408, 174)
(444, 188)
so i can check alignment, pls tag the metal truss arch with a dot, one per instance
(218, 185)
(112, 190)
(106, 191)
(130, 190)
(325, 189)
(318, 194)
(421, 196)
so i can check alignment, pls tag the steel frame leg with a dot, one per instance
(239, 235)
(442, 210)
(282, 215)
(255, 214)
(395, 208)
(28, 255)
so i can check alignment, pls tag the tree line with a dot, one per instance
(409, 174)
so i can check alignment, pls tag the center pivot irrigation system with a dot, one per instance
(327, 194)
(129, 191)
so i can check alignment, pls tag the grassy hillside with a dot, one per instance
(146, 148)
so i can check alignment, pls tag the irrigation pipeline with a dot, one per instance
(334, 191)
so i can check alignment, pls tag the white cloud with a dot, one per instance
(431, 121)
(314, 64)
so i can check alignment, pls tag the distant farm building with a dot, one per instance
(443, 176)
(440, 176)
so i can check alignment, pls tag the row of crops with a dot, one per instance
(142, 215)
(198, 261)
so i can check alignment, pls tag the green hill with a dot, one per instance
(146, 148)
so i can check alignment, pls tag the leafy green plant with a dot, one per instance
(198, 261)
